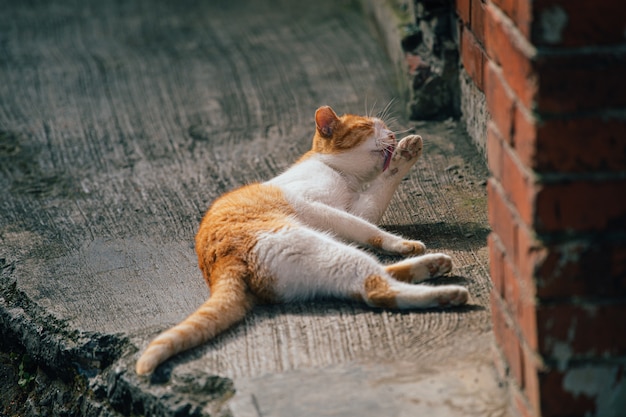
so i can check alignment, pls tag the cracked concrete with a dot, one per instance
(119, 123)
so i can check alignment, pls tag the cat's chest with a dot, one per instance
(320, 185)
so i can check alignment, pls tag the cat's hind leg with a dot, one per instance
(386, 292)
(420, 268)
(303, 263)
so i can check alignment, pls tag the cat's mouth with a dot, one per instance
(387, 154)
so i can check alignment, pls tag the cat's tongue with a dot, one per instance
(387, 153)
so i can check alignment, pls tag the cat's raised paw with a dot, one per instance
(409, 148)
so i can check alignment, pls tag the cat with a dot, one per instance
(293, 237)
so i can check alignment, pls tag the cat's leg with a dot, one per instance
(353, 228)
(383, 291)
(373, 202)
(413, 270)
(301, 263)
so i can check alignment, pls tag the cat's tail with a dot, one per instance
(228, 303)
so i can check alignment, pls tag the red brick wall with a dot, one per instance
(554, 76)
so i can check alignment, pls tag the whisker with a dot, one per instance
(373, 107)
(399, 132)
(385, 112)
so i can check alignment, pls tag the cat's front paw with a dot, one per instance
(411, 248)
(405, 155)
(408, 149)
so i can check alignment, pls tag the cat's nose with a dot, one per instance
(390, 134)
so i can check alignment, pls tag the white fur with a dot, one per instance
(336, 197)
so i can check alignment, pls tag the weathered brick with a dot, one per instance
(556, 402)
(494, 150)
(506, 47)
(575, 23)
(477, 11)
(517, 182)
(501, 217)
(598, 79)
(500, 101)
(519, 186)
(518, 296)
(581, 206)
(507, 338)
(584, 389)
(519, 12)
(473, 57)
(518, 240)
(463, 10)
(521, 404)
(578, 144)
(583, 330)
(496, 266)
(532, 365)
(583, 267)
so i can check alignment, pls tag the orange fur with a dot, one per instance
(237, 231)
(345, 132)
(224, 243)
(378, 292)
(400, 272)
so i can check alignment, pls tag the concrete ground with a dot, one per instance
(120, 121)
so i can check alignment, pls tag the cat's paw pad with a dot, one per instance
(409, 148)
(412, 248)
(438, 265)
(452, 295)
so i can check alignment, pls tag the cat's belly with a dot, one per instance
(300, 263)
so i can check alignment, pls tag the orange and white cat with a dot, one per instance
(291, 238)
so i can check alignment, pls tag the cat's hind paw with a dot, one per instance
(438, 264)
(420, 268)
(452, 295)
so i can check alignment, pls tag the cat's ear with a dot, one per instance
(326, 120)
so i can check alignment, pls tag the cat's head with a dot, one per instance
(352, 144)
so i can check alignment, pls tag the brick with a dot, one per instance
(583, 330)
(584, 267)
(519, 242)
(500, 102)
(473, 57)
(501, 217)
(519, 12)
(556, 402)
(564, 145)
(580, 144)
(496, 266)
(583, 389)
(530, 252)
(505, 46)
(507, 338)
(576, 23)
(463, 10)
(518, 295)
(517, 183)
(531, 388)
(524, 136)
(521, 405)
(520, 188)
(581, 206)
(477, 12)
(598, 79)
(494, 150)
